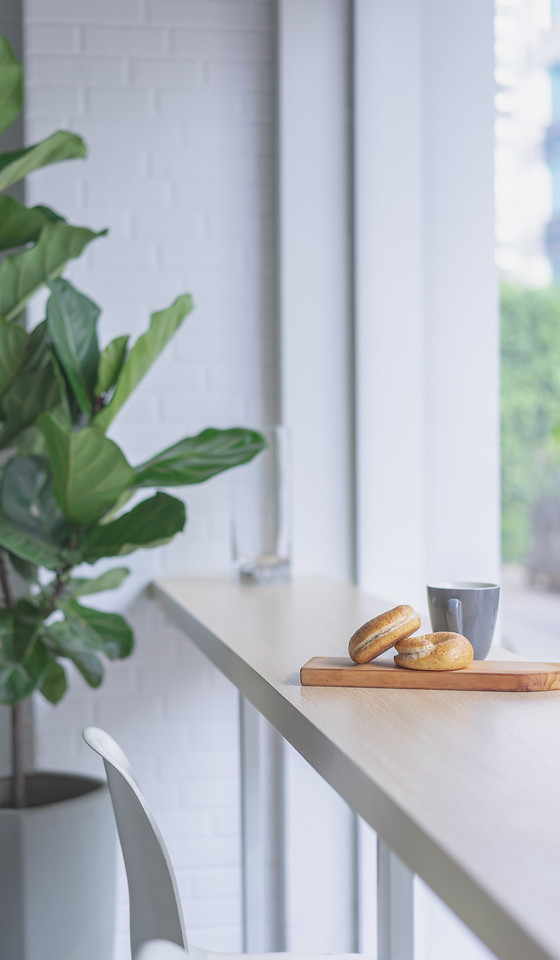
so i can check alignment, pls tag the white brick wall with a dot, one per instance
(175, 99)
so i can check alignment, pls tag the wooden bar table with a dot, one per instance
(463, 786)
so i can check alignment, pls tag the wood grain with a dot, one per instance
(496, 675)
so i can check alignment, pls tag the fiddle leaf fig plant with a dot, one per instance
(65, 486)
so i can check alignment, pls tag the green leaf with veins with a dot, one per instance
(11, 85)
(107, 633)
(29, 394)
(13, 346)
(6, 634)
(110, 364)
(28, 499)
(18, 164)
(51, 216)
(38, 386)
(33, 548)
(90, 471)
(143, 354)
(54, 683)
(18, 681)
(20, 225)
(72, 326)
(38, 353)
(31, 524)
(27, 571)
(110, 580)
(27, 621)
(151, 523)
(66, 639)
(23, 274)
(196, 459)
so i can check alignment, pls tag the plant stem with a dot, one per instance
(4, 581)
(18, 765)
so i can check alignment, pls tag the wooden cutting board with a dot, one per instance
(479, 675)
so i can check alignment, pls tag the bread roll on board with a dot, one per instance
(434, 651)
(378, 635)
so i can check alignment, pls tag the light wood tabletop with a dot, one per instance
(463, 785)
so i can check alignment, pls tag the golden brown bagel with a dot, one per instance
(434, 651)
(377, 635)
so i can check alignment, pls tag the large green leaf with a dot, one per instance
(13, 344)
(30, 393)
(18, 630)
(110, 580)
(19, 680)
(32, 547)
(6, 634)
(38, 353)
(72, 327)
(23, 274)
(28, 500)
(107, 633)
(20, 224)
(195, 459)
(69, 413)
(61, 145)
(50, 215)
(37, 386)
(90, 471)
(151, 523)
(11, 85)
(143, 354)
(67, 640)
(27, 620)
(27, 571)
(110, 364)
(54, 683)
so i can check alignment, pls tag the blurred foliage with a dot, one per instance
(530, 409)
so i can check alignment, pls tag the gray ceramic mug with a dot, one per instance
(467, 608)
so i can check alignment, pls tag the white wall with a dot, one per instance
(176, 101)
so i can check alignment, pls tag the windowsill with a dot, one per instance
(530, 617)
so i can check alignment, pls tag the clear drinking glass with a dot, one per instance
(260, 513)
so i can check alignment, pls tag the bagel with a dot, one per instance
(377, 635)
(434, 651)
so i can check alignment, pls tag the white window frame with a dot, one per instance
(389, 323)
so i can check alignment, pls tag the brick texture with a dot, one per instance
(175, 99)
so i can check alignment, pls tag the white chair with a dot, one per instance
(155, 908)
(161, 950)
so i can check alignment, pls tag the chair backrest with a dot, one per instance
(161, 950)
(155, 908)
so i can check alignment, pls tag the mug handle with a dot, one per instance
(455, 616)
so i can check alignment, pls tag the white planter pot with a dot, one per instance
(57, 870)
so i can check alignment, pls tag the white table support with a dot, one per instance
(262, 846)
(251, 828)
(395, 906)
